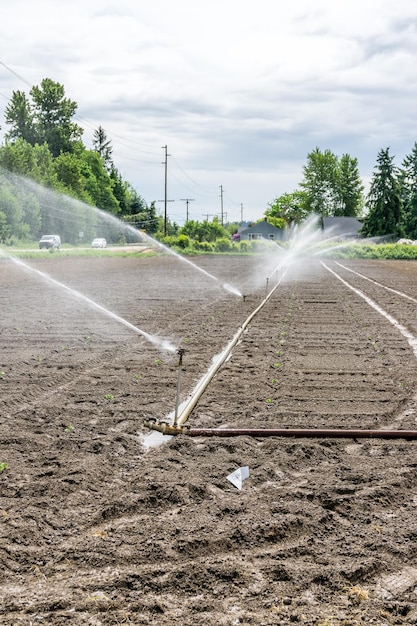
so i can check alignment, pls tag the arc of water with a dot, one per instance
(156, 341)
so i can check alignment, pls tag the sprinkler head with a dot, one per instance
(180, 352)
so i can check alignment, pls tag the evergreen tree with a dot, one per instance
(383, 202)
(19, 116)
(103, 146)
(120, 190)
(408, 185)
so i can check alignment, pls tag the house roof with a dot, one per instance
(263, 228)
(343, 226)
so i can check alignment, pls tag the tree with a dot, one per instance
(121, 190)
(383, 202)
(321, 182)
(52, 116)
(103, 146)
(291, 207)
(19, 116)
(204, 231)
(45, 119)
(350, 187)
(333, 186)
(144, 217)
(408, 186)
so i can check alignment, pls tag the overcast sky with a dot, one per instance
(239, 90)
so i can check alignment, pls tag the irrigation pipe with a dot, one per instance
(202, 384)
(178, 428)
(301, 433)
(295, 433)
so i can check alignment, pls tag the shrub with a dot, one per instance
(183, 241)
(202, 246)
(245, 246)
(223, 245)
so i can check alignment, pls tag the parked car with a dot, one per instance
(50, 241)
(99, 243)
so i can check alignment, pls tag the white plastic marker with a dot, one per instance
(238, 476)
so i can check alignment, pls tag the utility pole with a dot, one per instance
(187, 200)
(241, 213)
(166, 188)
(208, 215)
(221, 204)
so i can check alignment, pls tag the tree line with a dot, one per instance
(332, 187)
(44, 144)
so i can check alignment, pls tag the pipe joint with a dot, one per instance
(163, 427)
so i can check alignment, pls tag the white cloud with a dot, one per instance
(239, 91)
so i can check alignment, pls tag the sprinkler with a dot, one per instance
(243, 308)
(180, 352)
(178, 428)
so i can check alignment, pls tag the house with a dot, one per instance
(261, 230)
(342, 227)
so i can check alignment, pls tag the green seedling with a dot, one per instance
(137, 376)
(269, 400)
(69, 428)
(3, 466)
(1, 374)
(278, 365)
(158, 362)
(274, 381)
(63, 348)
(109, 396)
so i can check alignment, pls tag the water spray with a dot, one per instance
(178, 426)
(163, 344)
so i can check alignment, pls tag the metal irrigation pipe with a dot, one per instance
(297, 433)
(202, 384)
(301, 433)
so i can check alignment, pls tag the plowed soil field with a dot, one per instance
(101, 524)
